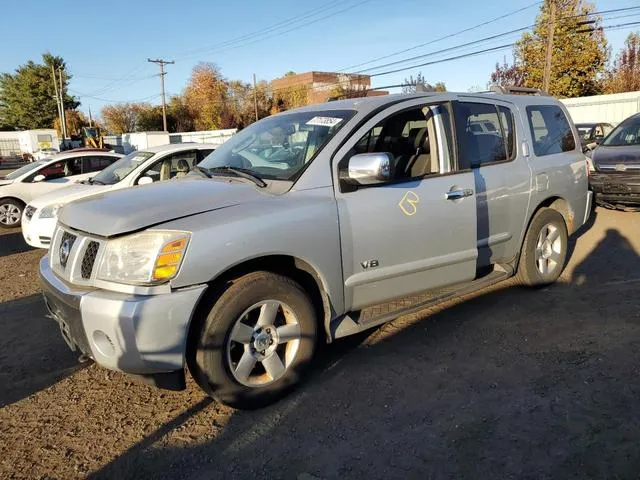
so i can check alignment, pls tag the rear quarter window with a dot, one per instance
(550, 130)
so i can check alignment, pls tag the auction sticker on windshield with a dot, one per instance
(324, 121)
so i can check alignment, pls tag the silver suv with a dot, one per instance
(316, 223)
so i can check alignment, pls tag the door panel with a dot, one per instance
(419, 239)
(501, 179)
(406, 237)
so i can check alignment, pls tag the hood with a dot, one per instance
(68, 194)
(629, 156)
(4, 181)
(130, 209)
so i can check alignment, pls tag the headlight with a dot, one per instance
(50, 211)
(144, 258)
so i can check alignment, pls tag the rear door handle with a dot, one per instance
(458, 194)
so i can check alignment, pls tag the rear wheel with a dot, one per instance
(255, 342)
(10, 213)
(544, 251)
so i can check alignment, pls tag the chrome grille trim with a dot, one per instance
(73, 272)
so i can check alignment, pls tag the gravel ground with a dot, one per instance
(505, 383)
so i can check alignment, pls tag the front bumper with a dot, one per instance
(37, 232)
(139, 334)
(616, 188)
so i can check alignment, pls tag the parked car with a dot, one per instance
(139, 167)
(592, 133)
(382, 206)
(615, 179)
(45, 153)
(42, 176)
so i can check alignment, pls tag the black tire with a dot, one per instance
(529, 273)
(9, 206)
(210, 361)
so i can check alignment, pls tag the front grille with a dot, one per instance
(89, 259)
(45, 240)
(29, 211)
(66, 244)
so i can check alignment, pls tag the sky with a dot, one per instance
(106, 45)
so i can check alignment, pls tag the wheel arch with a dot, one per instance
(295, 268)
(557, 203)
(11, 197)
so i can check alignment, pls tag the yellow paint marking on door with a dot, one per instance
(409, 203)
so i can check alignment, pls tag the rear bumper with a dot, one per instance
(144, 335)
(616, 188)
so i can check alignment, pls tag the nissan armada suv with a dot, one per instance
(316, 223)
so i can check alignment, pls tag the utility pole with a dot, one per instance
(64, 115)
(547, 63)
(55, 88)
(90, 119)
(162, 63)
(255, 96)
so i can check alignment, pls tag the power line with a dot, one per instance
(478, 41)
(275, 26)
(332, 14)
(451, 35)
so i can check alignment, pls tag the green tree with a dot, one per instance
(579, 53)
(27, 98)
(625, 73)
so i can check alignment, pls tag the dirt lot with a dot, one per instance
(509, 383)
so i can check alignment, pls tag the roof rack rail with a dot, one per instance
(506, 89)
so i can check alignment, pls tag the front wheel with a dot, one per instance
(255, 342)
(10, 213)
(544, 250)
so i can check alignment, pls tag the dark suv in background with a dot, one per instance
(615, 180)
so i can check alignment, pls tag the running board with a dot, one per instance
(375, 315)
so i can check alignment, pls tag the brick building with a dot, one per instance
(320, 85)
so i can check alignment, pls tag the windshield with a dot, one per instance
(120, 169)
(27, 168)
(627, 133)
(278, 147)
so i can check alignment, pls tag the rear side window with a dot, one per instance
(484, 133)
(550, 130)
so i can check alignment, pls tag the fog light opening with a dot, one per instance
(103, 343)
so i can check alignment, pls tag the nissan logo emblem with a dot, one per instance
(65, 250)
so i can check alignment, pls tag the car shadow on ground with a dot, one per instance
(11, 243)
(509, 383)
(33, 355)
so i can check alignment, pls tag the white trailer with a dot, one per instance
(612, 108)
(32, 142)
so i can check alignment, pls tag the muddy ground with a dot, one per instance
(507, 383)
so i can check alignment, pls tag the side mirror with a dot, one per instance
(39, 178)
(145, 180)
(370, 168)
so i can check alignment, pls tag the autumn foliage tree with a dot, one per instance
(579, 53)
(508, 75)
(625, 74)
(121, 118)
(75, 121)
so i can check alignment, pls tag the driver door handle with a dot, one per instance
(458, 194)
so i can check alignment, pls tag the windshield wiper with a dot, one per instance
(96, 182)
(240, 172)
(203, 171)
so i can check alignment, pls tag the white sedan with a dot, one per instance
(43, 176)
(137, 168)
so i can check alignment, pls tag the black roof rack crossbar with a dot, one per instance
(505, 89)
